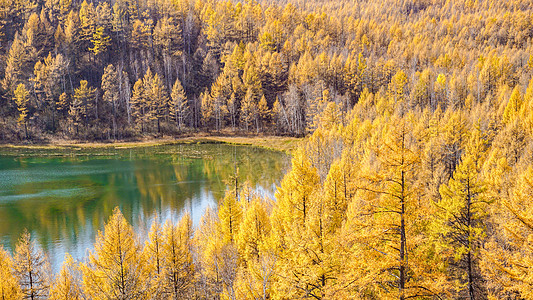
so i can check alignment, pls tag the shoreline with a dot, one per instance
(277, 143)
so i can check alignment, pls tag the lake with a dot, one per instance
(63, 197)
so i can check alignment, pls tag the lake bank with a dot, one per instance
(279, 143)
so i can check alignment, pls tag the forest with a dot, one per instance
(414, 182)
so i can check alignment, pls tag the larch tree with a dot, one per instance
(218, 261)
(81, 108)
(116, 269)
(233, 109)
(21, 97)
(514, 106)
(167, 37)
(207, 108)
(178, 266)
(257, 272)
(263, 111)
(220, 93)
(139, 105)
(507, 260)
(110, 87)
(100, 40)
(68, 284)
(17, 58)
(293, 222)
(179, 107)
(87, 27)
(9, 285)
(385, 224)
(31, 268)
(230, 215)
(461, 220)
(159, 101)
(154, 258)
(248, 110)
(336, 196)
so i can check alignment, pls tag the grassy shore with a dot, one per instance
(285, 144)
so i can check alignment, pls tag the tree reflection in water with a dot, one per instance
(63, 197)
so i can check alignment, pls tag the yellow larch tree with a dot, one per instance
(336, 195)
(179, 107)
(509, 260)
(9, 286)
(514, 106)
(22, 100)
(256, 272)
(387, 254)
(254, 229)
(218, 260)
(303, 267)
(461, 221)
(31, 268)
(68, 285)
(116, 269)
(178, 267)
(230, 216)
(154, 259)
(296, 189)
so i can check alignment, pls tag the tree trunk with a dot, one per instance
(469, 255)
(402, 242)
(26, 130)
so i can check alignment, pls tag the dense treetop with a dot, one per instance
(104, 70)
(414, 182)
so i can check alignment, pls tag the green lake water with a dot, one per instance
(63, 197)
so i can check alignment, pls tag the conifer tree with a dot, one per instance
(15, 64)
(386, 225)
(116, 268)
(293, 224)
(461, 224)
(9, 286)
(248, 109)
(178, 266)
(110, 88)
(257, 272)
(31, 268)
(63, 104)
(507, 259)
(207, 108)
(218, 261)
(179, 107)
(87, 18)
(83, 104)
(514, 106)
(158, 100)
(139, 105)
(230, 216)
(153, 254)
(68, 284)
(263, 111)
(22, 100)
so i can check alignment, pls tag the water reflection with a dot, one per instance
(65, 197)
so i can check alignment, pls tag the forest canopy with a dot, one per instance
(415, 181)
(96, 70)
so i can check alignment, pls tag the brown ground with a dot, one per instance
(279, 143)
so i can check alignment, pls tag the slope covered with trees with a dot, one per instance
(119, 69)
(393, 203)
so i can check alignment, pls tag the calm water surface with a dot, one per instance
(63, 197)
